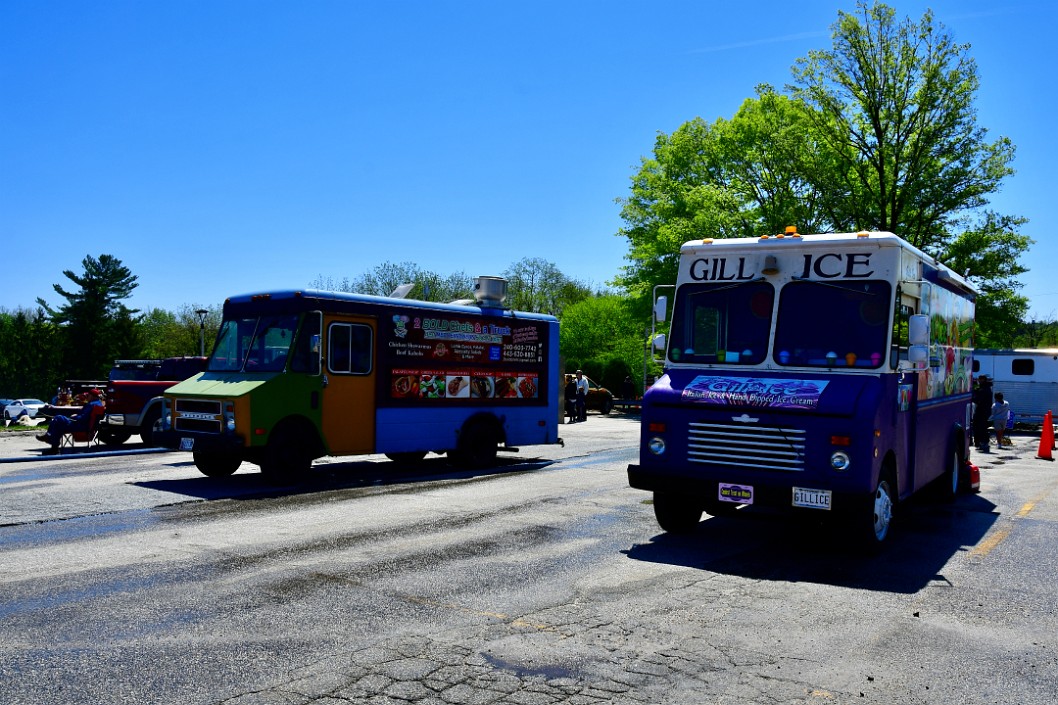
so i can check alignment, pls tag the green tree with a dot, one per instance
(96, 326)
(989, 253)
(877, 133)
(893, 105)
(169, 334)
(29, 353)
(602, 336)
(743, 177)
(384, 279)
(534, 284)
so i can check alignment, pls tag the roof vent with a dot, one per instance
(490, 291)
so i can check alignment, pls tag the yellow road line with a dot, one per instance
(985, 547)
(1025, 509)
(1000, 535)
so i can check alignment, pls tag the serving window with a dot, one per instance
(349, 348)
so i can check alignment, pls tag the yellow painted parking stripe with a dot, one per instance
(985, 547)
(1001, 534)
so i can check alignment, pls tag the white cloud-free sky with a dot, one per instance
(228, 146)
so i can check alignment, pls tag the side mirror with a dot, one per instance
(918, 329)
(659, 342)
(918, 355)
(661, 308)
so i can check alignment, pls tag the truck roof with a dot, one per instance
(307, 299)
(799, 241)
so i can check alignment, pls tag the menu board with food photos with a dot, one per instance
(463, 384)
(432, 357)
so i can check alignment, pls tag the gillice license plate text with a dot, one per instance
(807, 497)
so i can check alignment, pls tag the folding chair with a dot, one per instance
(70, 440)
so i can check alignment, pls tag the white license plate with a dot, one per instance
(814, 499)
(187, 444)
(739, 494)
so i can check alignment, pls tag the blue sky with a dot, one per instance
(229, 146)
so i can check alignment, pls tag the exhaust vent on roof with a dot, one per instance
(490, 291)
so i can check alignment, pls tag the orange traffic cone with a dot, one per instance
(1046, 438)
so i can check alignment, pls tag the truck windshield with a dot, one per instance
(258, 344)
(726, 322)
(833, 324)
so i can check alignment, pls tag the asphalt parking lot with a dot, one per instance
(131, 578)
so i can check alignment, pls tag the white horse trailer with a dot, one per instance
(1027, 378)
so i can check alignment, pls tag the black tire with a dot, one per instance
(876, 520)
(147, 425)
(675, 514)
(112, 437)
(287, 456)
(950, 482)
(216, 464)
(409, 458)
(607, 406)
(477, 446)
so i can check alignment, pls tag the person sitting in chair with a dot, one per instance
(61, 425)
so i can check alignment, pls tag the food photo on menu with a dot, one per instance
(435, 384)
(516, 387)
(405, 386)
(458, 386)
(527, 387)
(482, 387)
(432, 386)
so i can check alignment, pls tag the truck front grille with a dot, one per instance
(197, 415)
(763, 447)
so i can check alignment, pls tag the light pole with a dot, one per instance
(201, 331)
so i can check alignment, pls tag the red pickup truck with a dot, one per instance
(134, 395)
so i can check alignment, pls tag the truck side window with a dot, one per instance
(305, 358)
(349, 348)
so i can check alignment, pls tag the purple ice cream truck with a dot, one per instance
(817, 373)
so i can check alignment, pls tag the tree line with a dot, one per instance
(41, 349)
(877, 132)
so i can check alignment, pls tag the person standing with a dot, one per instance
(582, 396)
(982, 400)
(628, 388)
(571, 399)
(999, 417)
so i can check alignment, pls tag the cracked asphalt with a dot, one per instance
(133, 579)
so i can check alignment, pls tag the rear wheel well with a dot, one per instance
(477, 441)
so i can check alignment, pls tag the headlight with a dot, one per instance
(839, 460)
(656, 445)
(231, 424)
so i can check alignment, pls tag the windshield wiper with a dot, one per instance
(832, 285)
(734, 285)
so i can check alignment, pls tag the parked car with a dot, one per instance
(17, 407)
(599, 398)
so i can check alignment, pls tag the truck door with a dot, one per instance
(349, 390)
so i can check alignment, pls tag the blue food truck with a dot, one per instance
(819, 373)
